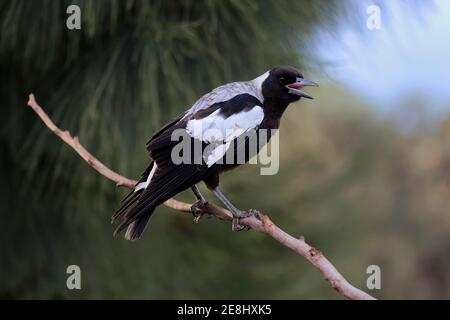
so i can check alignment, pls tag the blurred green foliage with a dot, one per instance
(355, 185)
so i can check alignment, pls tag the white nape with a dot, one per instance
(257, 82)
(143, 185)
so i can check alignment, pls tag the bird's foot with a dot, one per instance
(237, 216)
(197, 210)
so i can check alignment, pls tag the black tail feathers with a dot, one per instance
(134, 225)
(137, 227)
(135, 221)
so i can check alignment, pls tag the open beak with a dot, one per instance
(294, 88)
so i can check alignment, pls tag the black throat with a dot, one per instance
(273, 110)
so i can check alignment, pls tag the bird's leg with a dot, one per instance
(237, 214)
(197, 206)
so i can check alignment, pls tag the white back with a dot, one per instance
(228, 91)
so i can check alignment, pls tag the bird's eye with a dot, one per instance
(283, 80)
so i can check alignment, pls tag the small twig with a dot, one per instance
(262, 224)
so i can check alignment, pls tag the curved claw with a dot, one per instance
(196, 210)
(235, 226)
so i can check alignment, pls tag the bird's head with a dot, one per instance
(284, 84)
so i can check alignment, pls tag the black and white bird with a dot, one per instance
(230, 111)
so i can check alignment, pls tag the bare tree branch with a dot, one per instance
(263, 224)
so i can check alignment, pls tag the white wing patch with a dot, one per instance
(219, 130)
(217, 153)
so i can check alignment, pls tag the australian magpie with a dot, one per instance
(216, 121)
